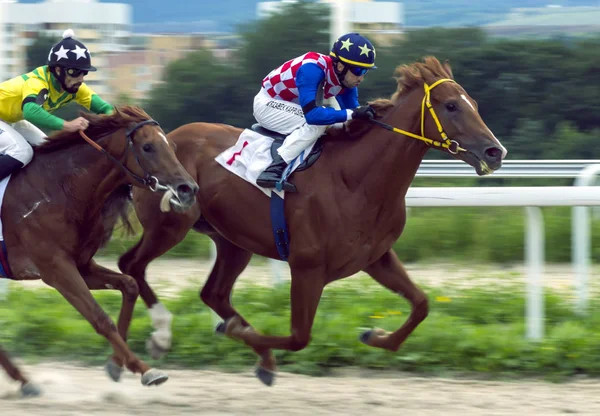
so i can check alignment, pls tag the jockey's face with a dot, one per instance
(350, 80)
(73, 79)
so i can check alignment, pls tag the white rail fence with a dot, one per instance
(532, 198)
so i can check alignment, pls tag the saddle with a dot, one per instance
(278, 139)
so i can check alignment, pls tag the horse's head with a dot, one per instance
(450, 117)
(138, 145)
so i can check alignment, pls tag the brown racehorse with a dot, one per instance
(349, 211)
(60, 209)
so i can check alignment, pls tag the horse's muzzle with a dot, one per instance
(185, 193)
(179, 197)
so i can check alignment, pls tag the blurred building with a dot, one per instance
(380, 21)
(103, 28)
(135, 73)
(546, 21)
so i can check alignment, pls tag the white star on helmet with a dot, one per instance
(62, 53)
(80, 52)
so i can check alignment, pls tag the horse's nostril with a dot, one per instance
(187, 189)
(184, 189)
(493, 153)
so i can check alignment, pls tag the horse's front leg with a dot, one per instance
(389, 272)
(100, 278)
(64, 276)
(306, 289)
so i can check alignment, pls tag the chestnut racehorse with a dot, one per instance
(61, 208)
(349, 211)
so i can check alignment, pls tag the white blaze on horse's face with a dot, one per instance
(504, 151)
(468, 102)
(164, 138)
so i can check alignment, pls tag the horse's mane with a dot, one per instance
(407, 77)
(99, 126)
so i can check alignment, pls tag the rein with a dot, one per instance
(148, 180)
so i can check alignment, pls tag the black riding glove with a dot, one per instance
(365, 112)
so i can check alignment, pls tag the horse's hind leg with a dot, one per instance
(390, 273)
(160, 235)
(230, 263)
(27, 388)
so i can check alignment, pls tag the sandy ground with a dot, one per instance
(168, 276)
(75, 390)
(72, 390)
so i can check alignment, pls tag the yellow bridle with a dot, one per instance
(452, 145)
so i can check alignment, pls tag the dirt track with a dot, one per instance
(168, 276)
(71, 390)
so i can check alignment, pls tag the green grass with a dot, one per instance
(468, 331)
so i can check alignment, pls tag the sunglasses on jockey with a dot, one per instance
(74, 72)
(357, 70)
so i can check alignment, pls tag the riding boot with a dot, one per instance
(8, 165)
(272, 175)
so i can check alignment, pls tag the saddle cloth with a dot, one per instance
(251, 155)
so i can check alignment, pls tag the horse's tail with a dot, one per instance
(117, 207)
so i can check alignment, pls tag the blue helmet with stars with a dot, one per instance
(355, 51)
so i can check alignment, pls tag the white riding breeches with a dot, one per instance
(286, 118)
(16, 140)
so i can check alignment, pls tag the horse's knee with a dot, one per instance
(130, 290)
(299, 342)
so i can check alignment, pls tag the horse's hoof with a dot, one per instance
(155, 350)
(264, 375)
(153, 377)
(113, 370)
(221, 327)
(365, 336)
(30, 390)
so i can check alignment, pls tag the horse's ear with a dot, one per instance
(448, 69)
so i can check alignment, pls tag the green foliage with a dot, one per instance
(539, 97)
(471, 330)
(299, 28)
(484, 235)
(37, 52)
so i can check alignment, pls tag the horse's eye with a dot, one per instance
(451, 107)
(148, 148)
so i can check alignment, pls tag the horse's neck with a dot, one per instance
(387, 161)
(85, 174)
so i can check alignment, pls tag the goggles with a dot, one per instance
(358, 71)
(74, 72)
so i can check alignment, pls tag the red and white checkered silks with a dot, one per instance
(281, 82)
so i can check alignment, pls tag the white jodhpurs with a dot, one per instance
(286, 118)
(15, 140)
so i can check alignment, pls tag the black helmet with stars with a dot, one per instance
(70, 53)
